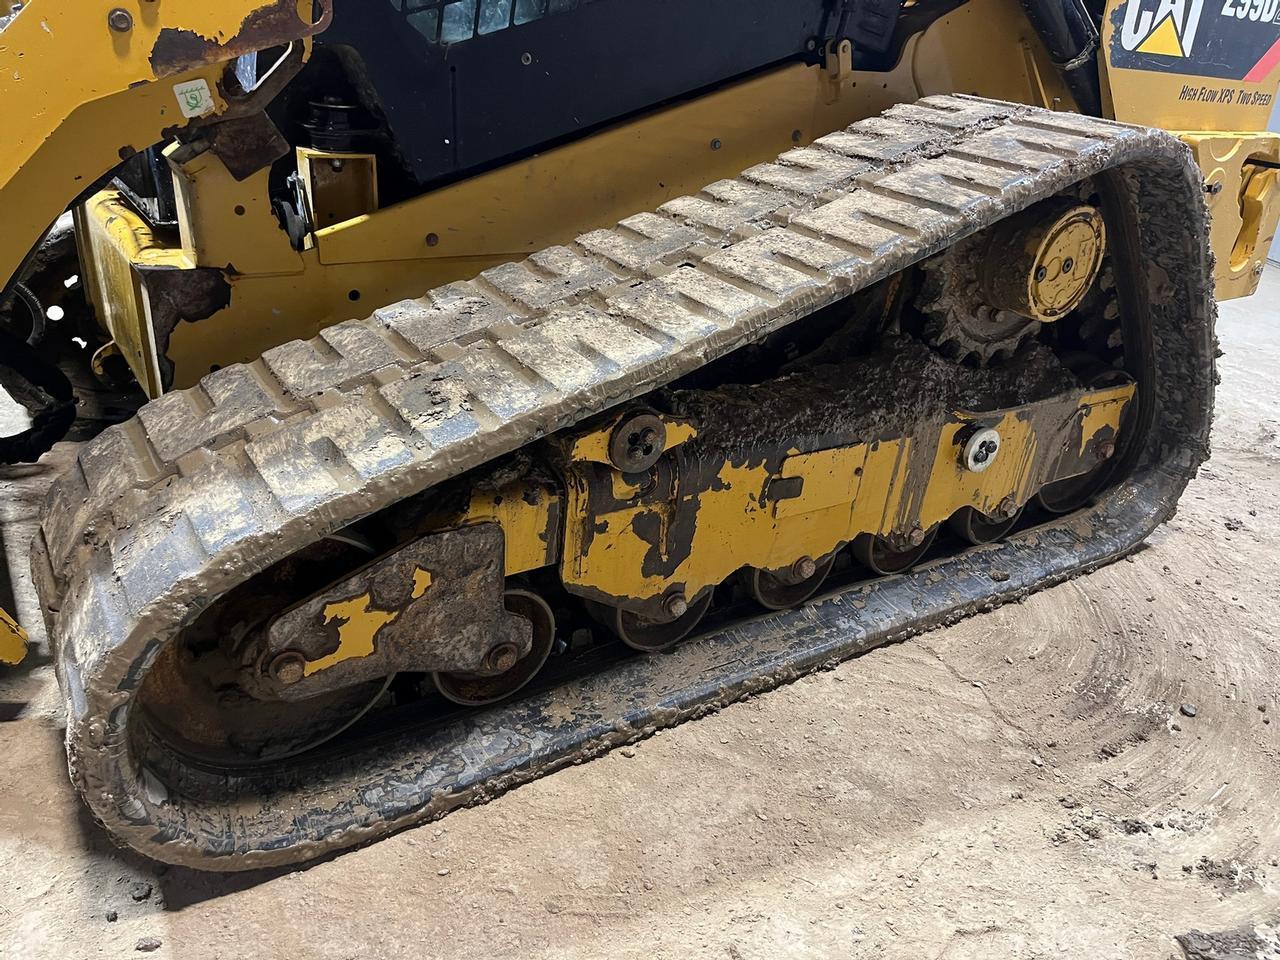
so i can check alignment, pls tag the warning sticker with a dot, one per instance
(1226, 39)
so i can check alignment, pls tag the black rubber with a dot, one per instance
(46, 393)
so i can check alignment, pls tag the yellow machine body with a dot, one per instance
(351, 264)
(399, 251)
(1208, 71)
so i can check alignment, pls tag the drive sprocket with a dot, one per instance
(958, 322)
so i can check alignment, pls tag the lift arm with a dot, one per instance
(85, 84)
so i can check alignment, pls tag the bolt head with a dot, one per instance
(120, 20)
(804, 568)
(981, 450)
(716, 144)
(1041, 274)
(288, 667)
(647, 443)
(915, 537)
(1106, 449)
(503, 657)
(676, 606)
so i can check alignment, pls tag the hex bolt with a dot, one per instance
(120, 20)
(981, 449)
(915, 537)
(804, 568)
(676, 606)
(1106, 449)
(288, 667)
(502, 657)
(640, 446)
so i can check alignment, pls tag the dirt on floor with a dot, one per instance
(1093, 773)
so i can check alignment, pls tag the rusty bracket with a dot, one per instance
(433, 605)
(276, 22)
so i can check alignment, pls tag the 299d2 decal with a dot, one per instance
(1225, 39)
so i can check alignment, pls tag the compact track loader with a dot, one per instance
(752, 334)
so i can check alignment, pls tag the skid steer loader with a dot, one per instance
(466, 354)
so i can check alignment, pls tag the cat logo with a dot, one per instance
(1163, 27)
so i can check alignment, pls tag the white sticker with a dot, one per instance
(194, 98)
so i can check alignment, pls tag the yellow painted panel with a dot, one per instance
(526, 515)
(358, 623)
(77, 95)
(1244, 200)
(1152, 50)
(831, 479)
(883, 487)
(952, 486)
(1103, 409)
(13, 641)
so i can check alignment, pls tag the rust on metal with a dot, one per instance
(275, 22)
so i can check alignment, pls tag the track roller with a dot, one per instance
(475, 690)
(654, 636)
(790, 588)
(883, 558)
(978, 528)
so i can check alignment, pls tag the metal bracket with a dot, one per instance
(837, 68)
(435, 604)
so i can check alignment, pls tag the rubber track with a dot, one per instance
(207, 486)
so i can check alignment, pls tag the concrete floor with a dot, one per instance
(1025, 784)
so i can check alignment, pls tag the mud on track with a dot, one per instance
(1013, 786)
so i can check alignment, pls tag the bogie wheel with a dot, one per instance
(1072, 493)
(1069, 495)
(977, 528)
(652, 636)
(790, 588)
(473, 690)
(193, 700)
(881, 557)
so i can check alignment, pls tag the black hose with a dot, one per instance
(33, 332)
(1071, 37)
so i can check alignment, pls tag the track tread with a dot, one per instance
(262, 458)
